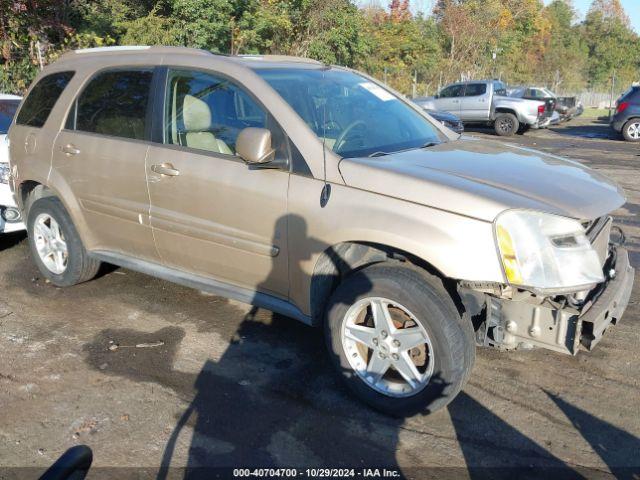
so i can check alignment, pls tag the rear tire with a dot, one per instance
(443, 361)
(56, 246)
(631, 130)
(506, 124)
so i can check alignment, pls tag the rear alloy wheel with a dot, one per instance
(631, 130)
(397, 339)
(50, 244)
(56, 246)
(506, 124)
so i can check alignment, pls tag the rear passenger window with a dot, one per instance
(41, 100)
(114, 103)
(475, 89)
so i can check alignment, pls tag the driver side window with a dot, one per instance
(206, 112)
(452, 91)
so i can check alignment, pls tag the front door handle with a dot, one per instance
(165, 169)
(70, 149)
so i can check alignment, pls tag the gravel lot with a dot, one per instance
(202, 381)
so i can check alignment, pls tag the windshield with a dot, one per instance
(7, 111)
(354, 116)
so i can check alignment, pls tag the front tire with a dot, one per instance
(506, 124)
(397, 339)
(56, 246)
(631, 130)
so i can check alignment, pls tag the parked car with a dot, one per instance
(10, 217)
(449, 120)
(567, 107)
(627, 117)
(318, 193)
(486, 102)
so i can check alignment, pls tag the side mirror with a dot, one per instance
(253, 145)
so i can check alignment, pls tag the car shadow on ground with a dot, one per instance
(263, 403)
(596, 130)
(9, 240)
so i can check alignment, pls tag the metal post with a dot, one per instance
(39, 51)
(613, 86)
(385, 75)
(414, 88)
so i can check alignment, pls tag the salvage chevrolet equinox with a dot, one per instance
(318, 193)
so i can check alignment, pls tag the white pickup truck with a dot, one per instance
(486, 102)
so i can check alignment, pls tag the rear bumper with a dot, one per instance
(618, 125)
(541, 122)
(512, 324)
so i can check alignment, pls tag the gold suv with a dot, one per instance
(319, 193)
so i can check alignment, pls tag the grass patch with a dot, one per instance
(595, 112)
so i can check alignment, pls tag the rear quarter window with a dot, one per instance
(42, 98)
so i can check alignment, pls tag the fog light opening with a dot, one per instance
(11, 215)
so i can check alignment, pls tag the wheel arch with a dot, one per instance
(339, 261)
(28, 191)
(506, 110)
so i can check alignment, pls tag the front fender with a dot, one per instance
(459, 247)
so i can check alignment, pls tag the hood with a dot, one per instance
(480, 179)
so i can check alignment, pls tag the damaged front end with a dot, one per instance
(509, 318)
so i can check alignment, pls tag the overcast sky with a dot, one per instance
(631, 6)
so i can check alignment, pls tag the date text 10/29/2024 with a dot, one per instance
(316, 473)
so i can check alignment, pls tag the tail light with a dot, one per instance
(622, 107)
(541, 109)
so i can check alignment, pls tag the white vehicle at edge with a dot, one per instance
(10, 218)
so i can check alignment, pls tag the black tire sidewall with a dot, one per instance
(515, 122)
(75, 251)
(453, 347)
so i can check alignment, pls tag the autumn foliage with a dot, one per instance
(520, 41)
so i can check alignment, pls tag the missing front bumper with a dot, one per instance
(513, 324)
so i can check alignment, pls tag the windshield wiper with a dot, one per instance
(378, 154)
(430, 144)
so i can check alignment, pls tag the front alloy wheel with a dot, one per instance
(397, 339)
(387, 347)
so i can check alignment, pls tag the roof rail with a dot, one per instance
(112, 49)
(280, 58)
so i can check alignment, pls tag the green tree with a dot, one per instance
(614, 48)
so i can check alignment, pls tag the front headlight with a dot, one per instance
(545, 252)
(5, 172)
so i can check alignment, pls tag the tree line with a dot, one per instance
(519, 41)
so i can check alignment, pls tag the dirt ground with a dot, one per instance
(198, 380)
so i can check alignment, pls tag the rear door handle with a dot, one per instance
(165, 169)
(70, 149)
